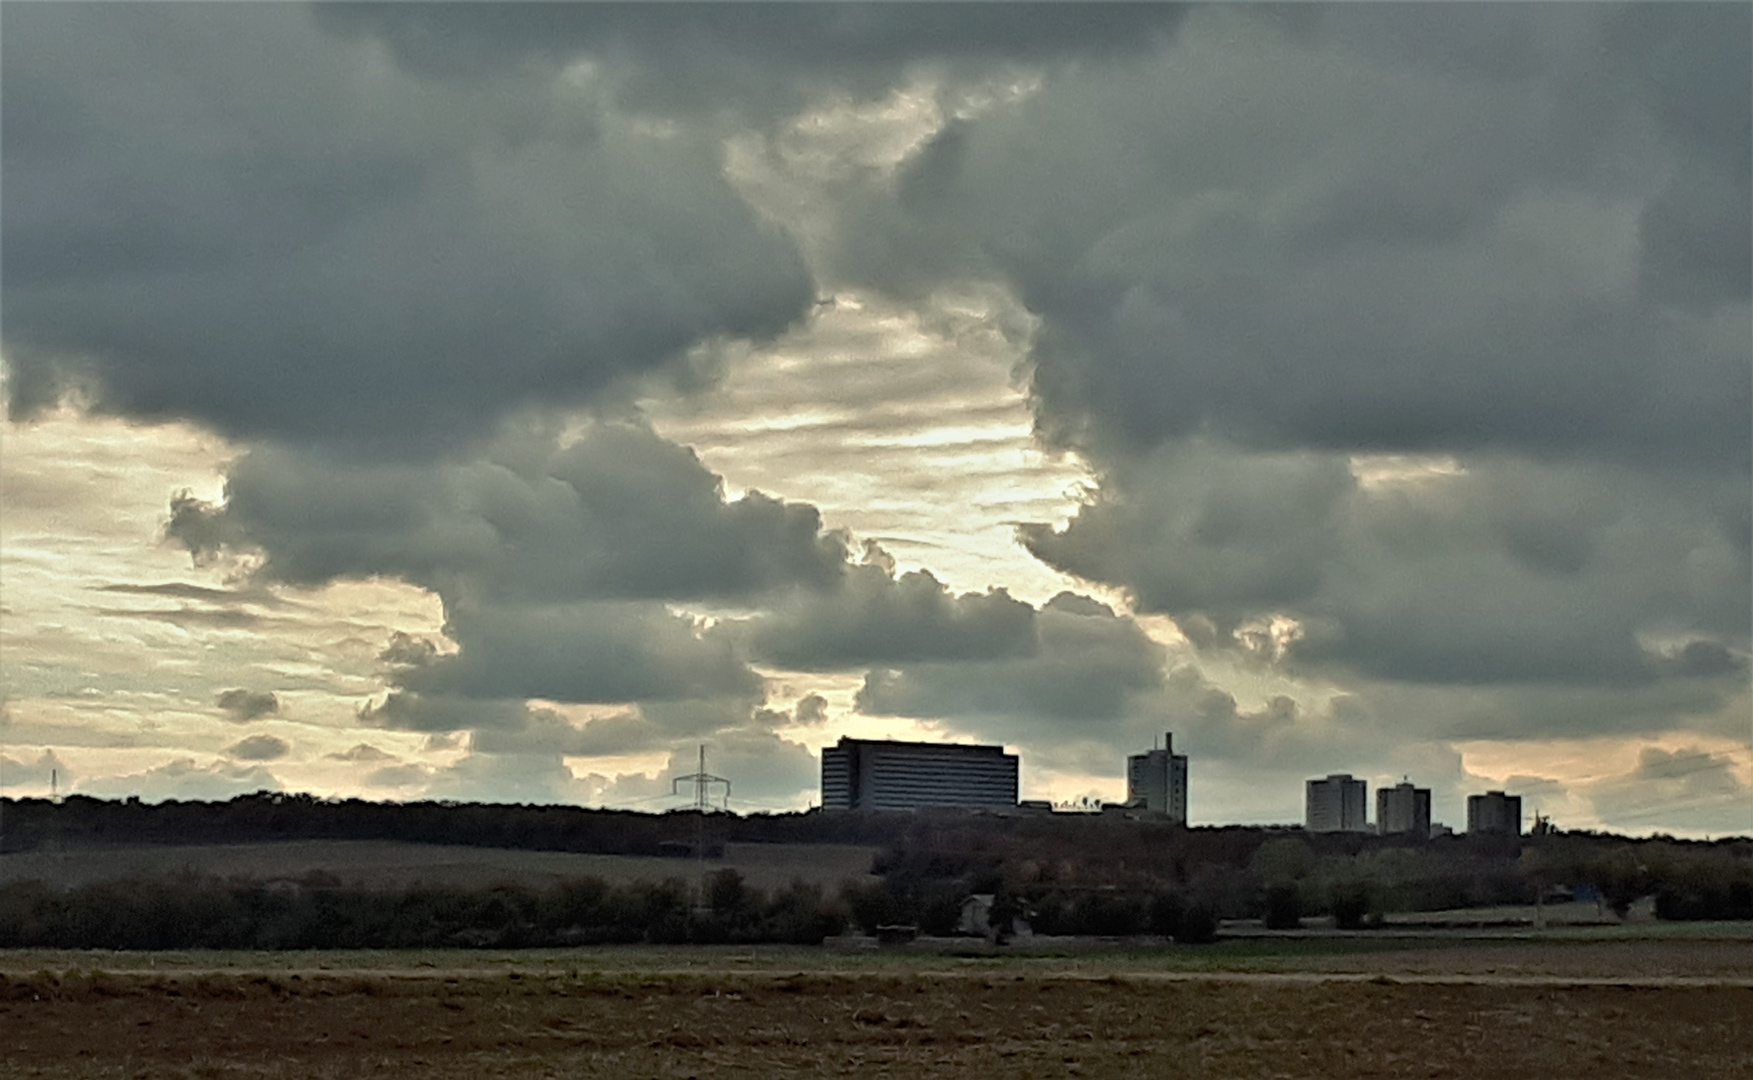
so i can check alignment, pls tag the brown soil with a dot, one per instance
(1636, 961)
(987, 1021)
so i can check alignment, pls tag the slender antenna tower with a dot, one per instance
(702, 781)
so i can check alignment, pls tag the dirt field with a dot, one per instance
(375, 864)
(1586, 1009)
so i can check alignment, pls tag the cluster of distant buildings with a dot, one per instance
(1336, 804)
(886, 774)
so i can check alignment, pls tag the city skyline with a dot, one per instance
(499, 401)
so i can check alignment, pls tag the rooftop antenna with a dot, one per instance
(702, 782)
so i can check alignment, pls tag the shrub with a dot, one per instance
(1198, 926)
(1284, 907)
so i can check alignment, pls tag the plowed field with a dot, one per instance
(754, 1016)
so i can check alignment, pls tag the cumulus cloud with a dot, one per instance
(259, 748)
(555, 558)
(878, 618)
(1499, 572)
(1316, 238)
(363, 753)
(243, 705)
(811, 709)
(763, 60)
(612, 511)
(183, 590)
(1407, 346)
(36, 775)
(764, 770)
(1297, 244)
(507, 778)
(361, 256)
(1699, 786)
(185, 780)
(1086, 665)
(399, 776)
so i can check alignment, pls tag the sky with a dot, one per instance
(491, 401)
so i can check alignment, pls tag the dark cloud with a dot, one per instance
(345, 254)
(1086, 666)
(387, 247)
(548, 732)
(244, 705)
(399, 776)
(259, 748)
(539, 778)
(763, 768)
(1697, 785)
(363, 752)
(182, 590)
(401, 710)
(1708, 658)
(192, 617)
(185, 780)
(877, 618)
(764, 771)
(602, 653)
(46, 770)
(552, 556)
(1333, 242)
(811, 709)
(1503, 572)
(616, 512)
(765, 59)
(1507, 247)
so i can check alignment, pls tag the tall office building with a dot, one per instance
(1337, 804)
(1403, 809)
(1157, 781)
(880, 774)
(1494, 812)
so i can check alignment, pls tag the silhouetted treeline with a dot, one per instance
(1093, 872)
(1104, 874)
(81, 821)
(194, 913)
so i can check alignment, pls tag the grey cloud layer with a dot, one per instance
(245, 705)
(384, 247)
(1085, 666)
(252, 224)
(1367, 233)
(764, 59)
(615, 513)
(1506, 573)
(1517, 236)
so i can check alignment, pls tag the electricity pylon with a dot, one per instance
(702, 782)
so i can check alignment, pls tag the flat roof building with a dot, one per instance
(1494, 812)
(1156, 781)
(1337, 804)
(883, 774)
(1403, 809)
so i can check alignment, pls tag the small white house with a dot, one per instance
(976, 919)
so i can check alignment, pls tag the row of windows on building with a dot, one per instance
(884, 774)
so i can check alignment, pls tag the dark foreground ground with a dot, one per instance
(1605, 1010)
